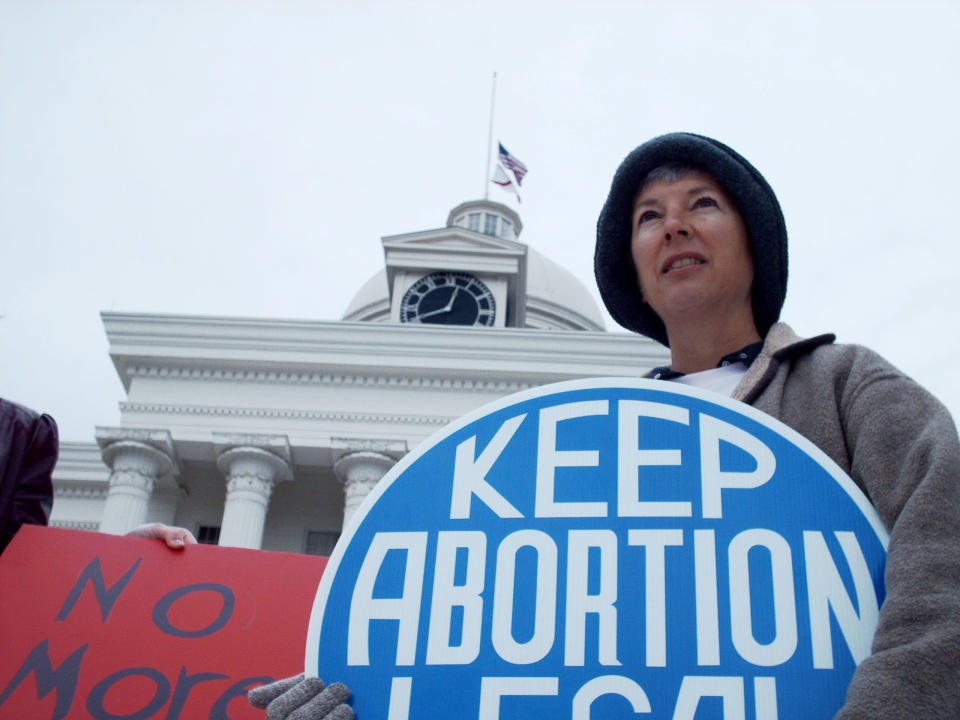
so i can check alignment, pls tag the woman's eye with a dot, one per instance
(645, 216)
(705, 201)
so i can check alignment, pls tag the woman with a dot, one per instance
(692, 252)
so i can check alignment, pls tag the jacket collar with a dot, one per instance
(780, 343)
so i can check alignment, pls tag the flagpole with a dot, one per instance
(486, 172)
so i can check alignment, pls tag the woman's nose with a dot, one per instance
(675, 225)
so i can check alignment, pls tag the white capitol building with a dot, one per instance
(268, 433)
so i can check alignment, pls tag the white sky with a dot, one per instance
(244, 158)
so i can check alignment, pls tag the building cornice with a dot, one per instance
(283, 414)
(422, 382)
(299, 348)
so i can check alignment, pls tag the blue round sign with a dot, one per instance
(605, 548)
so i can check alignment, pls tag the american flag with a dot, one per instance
(510, 162)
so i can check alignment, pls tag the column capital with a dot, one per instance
(360, 471)
(363, 466)
(250, 461)
(394, 449)
(131, 456)
(278, 445)
(150, 445)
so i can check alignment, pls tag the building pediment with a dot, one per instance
(453, 248)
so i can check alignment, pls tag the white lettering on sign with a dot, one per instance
(609, 685)
(446, 596)
(400, 689)
(784, 642)
(707, 609)
(713, 480)
(470, 475)
(765, 698)
(631, 459)
(544, 601)
(825, 591)
(580, 603)
(827, 596)
(405, 609)
(470, 472)
(655, 580)
(494, 688)
(693, 689)
(549, 459)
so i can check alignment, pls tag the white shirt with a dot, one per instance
(721, 380)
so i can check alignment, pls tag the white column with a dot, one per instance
(359, 472)
(135, 467)
(251, 474)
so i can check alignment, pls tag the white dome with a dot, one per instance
(372, 301)
(555, 298)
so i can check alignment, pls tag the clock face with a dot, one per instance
(448, 298)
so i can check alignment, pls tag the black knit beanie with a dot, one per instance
(758, 206)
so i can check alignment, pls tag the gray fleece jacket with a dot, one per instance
(899, 444)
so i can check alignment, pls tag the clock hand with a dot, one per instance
(452, 298)
(432, 312)
(446, 308)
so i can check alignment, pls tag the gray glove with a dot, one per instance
(302, 698)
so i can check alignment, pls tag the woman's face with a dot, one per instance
(691, 249)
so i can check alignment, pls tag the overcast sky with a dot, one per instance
(245, 158)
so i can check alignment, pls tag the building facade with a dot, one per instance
(269, 433)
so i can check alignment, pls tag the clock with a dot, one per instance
(448, 298)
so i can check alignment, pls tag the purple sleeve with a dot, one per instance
(32, 449)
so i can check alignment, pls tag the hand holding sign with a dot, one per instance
(302, 698)
(605, 546)
(176, 538)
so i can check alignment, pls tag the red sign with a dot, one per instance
(117, 628)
